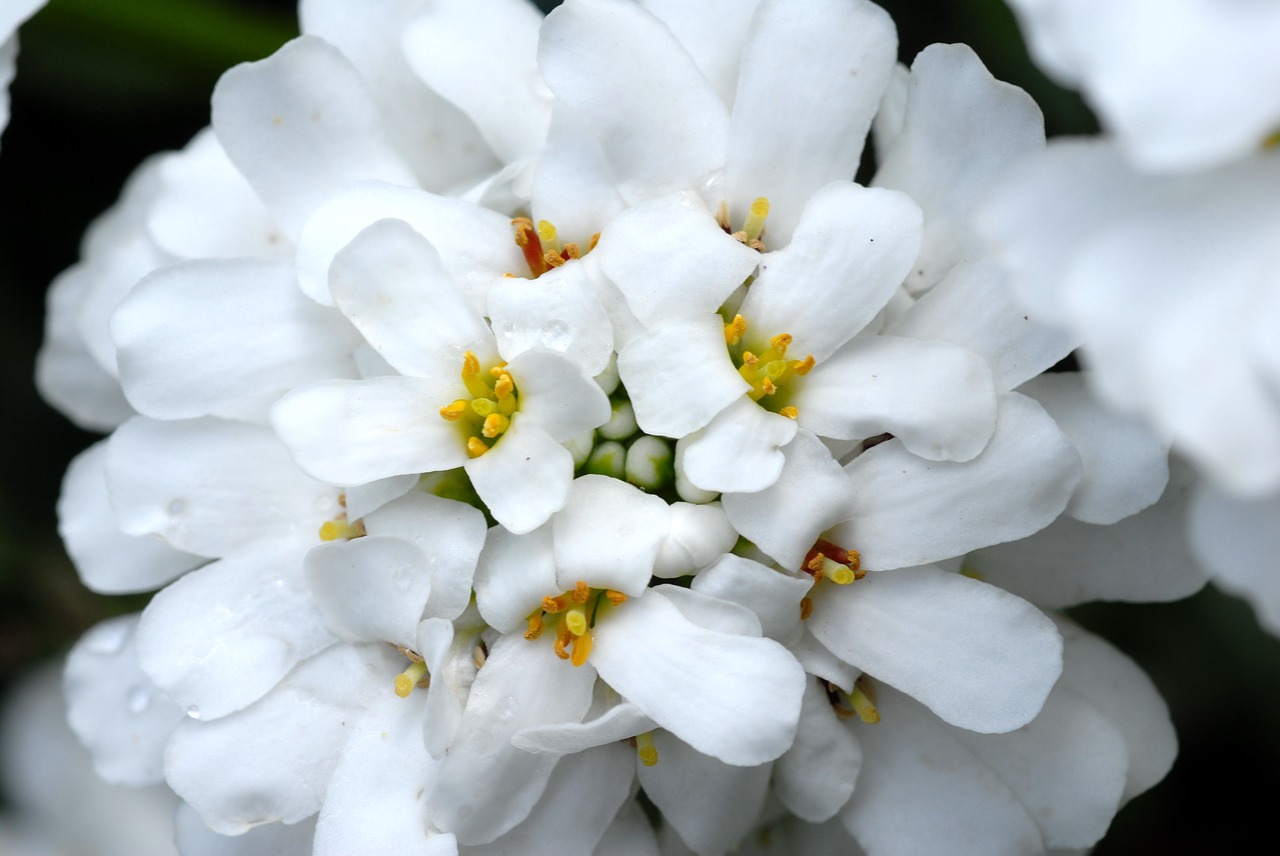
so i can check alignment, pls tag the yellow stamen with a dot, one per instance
(453, 412)
(754, 224)
(749, 359)
(414, 676)
(553, 605)
(734, 329)
(504, 387)
(563, 637)
(581, 648)
(530, 246)
(781, 342)
(476, 447)
(470, 365)
(802, 367)
(581, 591)
(768, 386)
(615, 597)
(806, 608)
(333, 530)
(646, 750)
(571, 250)
(552, 259)
(864, 703)
(790, 412)
(595, 239)
(494, 425)
(535, 626)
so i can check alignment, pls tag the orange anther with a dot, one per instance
(535, 626)
(581, 591)
(615, 597)
(476, 447)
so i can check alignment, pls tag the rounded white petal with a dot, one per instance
(909, 511)
(299, 125)
(572, 186)
(816, 776)
(108, 560)
(556, 395)
(774, 596)
(713, 33)
(698, 535)
(352, 432)
(852, 248)
(731, 696)
(223, 636)
(608, 534)
(558, 311)
(270, 839)
(666, 134)
(514, 574)
(937, 398)
(1237, 540)
(977, 656)
(811, 78)
(371, 589)
(739, 451)
(120, 716)
(524, 478)
(617, 723)
(176, 363)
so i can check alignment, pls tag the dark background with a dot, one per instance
(101, 84)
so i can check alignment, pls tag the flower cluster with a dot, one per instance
(1157, 254)
(541, 444)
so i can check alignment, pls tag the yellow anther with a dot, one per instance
(498, 368)
(802, 367)
(339, 528)
(547, 234)
(470, 365)
(524, 229)
(781, 342)
(581, 648)
(453, 412)
(572, 251)
(581, 591)
(615, 597)
(734, 329)
(553, 605)
(790, 412)
(576, 620)
(749, 359)
(646, 750)
(414, 676)
(504, 387)
(563, 638)
(552, 259)
(595, 239)
(754, 224)
(476, 447)
(768, 386)
(494, 425)
(535, 626)
(864, 703)
(806, 608)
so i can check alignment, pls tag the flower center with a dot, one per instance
(485, 416)
(572, 615)
(752, 228)
(340, 528)
(860, 703)
(542, 248)
(768, 371)
(414, 676)
(828, 561)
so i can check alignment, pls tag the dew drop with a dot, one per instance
(556, 335)
(107, 639)
(139, 699)
(508, 708)
(508, 328)
(177, 507)
(193, 712)
(403, 578)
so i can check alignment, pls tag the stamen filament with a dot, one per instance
(646, 750)
(414, 676)
(863, 700)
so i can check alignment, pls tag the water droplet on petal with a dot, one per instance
(556, 335)
(177, 507)
(193, 712)
(508, 707)
(508, 328)
(139, 699)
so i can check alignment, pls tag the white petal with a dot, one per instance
(1143, 558)
(374, 802)
(816, 776)
(299, 125)
(784, 519)
(371, 589)
(618, 723)
(572, 186)
(935, 397)
(740, 450)
(711, 804)
(817, 660)
(853, 246)
(363, 499)
(485, 786)
(449, 534)
(1125, 464)
(962, 127)
(630, 834)
(713, 33)
(774, 596)
(909, 511)
(390, 282)
(273, 760)
(270, 839)
(559, 311)
(587, 788)
(514, 574)
(977, 656)
(211, 486)
(664, 135)
(120, 716)
(679, 375)
(974, 307)
(451, 664)
(108, 560)
(913, 767)
(695, 270)
(556, 395)
(608, 534)
(476, 245)
(698, 535)
(175, 361)
(734, 697)
(351, 432)
(524, 478)
(1128, 698)
(223, 636)
(811, 79)
(1237, 540)
(711, 612)
(481, 57)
